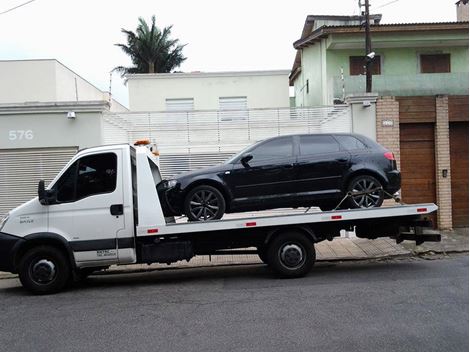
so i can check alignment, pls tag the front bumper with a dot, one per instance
(9, 245)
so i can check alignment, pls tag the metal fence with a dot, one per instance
(192, 139)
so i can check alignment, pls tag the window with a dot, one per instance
(90, 175)
(279, 147)
(233, 108)
(317, 145)
(357, 65)
(351, 143)
(65, 185)
(435, 63)
(186, 104)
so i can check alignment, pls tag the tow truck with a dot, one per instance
(103, 209)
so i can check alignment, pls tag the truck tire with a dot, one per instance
(291, 254)
(204, 203)
(44, 270)
(262, 254)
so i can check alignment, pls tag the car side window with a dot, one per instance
(351, 143)
(318, 145)
(90, 175)
(276, 148)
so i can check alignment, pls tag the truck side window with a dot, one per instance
(89, 175)
(65, 186)
(96, 174)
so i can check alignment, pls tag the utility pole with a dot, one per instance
(368, 49)
(369, 56)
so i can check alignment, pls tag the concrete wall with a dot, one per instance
(50, 129)
(27, 81)
(30, 81)
(263, 89)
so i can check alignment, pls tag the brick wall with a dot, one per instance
(388, 129)
(443, 184)
(388, 125)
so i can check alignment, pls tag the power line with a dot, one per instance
(14, 8)
(386, 4)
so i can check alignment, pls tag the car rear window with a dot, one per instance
(318, 145)
(351, 143)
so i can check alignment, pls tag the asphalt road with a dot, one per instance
(401, 305)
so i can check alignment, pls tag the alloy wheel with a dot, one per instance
(366, 193)
(204, 205)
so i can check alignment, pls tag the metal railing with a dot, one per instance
(192, 139)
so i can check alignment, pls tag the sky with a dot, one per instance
(223, 35)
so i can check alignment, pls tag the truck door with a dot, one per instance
(88, 210)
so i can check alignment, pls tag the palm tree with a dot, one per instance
(151, 49)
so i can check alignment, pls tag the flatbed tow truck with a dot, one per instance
(103, 209)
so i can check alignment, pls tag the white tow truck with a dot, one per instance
(103, 209)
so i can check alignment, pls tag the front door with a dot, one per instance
(87, 210)
(267, 179)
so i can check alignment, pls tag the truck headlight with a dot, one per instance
(3, 221)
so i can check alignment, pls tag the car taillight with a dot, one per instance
(389, 156)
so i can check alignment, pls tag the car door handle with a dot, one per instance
(288, 166)
(342, 160)
(116, 209)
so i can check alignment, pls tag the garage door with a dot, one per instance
(458, 133)
(21, 169)
(417, 163)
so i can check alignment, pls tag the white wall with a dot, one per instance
(27, 81)
(264, 89)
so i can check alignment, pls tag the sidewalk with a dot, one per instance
(340, 249)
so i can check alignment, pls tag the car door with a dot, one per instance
(267, 176)
(320, 167)
(88, 207)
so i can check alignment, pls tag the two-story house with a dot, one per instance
(420, 77)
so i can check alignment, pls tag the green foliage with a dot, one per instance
(151, 49)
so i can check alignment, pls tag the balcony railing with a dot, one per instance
(404, 85)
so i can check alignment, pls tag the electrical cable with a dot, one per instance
(18, 6)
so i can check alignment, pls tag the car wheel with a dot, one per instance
(291, 254)
(365, 184)
(44, 269)
(204, 203)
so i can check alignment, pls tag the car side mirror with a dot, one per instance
(45, 196)
(245, 159)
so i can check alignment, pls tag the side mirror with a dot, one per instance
(245, 159)
(45, 196)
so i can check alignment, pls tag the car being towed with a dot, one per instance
(287, 171)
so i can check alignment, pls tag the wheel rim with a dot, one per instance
(292, 255)
(204, 205)
(373, 196)
(43, 271)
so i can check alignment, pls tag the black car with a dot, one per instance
(287, 171)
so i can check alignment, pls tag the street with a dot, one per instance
(407, 304)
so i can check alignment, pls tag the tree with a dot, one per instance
(151, 49)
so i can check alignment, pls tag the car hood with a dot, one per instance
(207, 170)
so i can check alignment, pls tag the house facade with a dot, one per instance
(420, 91)
(47, 112)
(208, 91)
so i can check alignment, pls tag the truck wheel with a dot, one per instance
(291, 254)
(44, 269)
(262, 254)
(204, 203)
